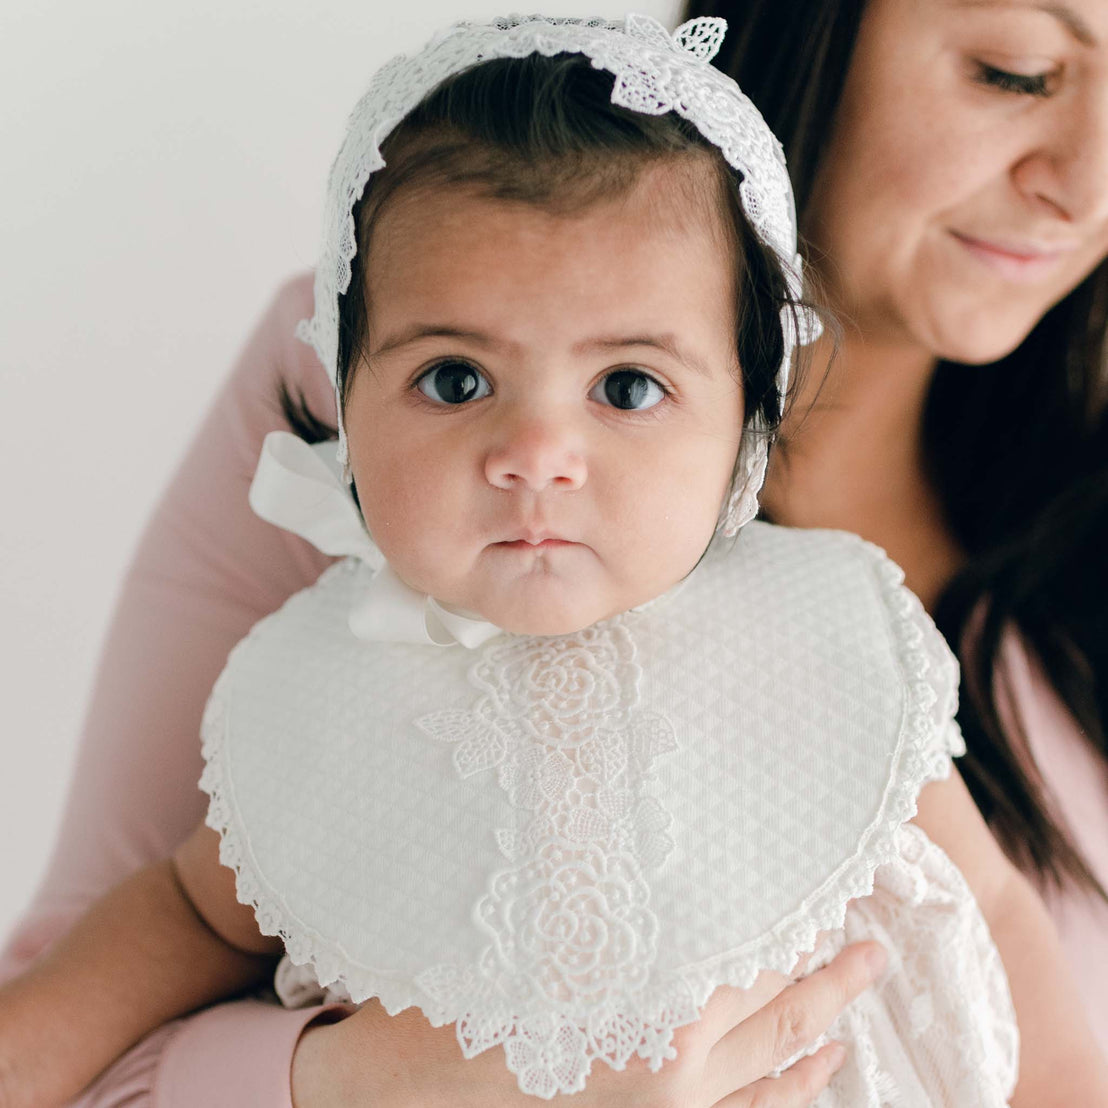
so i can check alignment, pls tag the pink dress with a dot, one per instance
(206, 570)
(1078, 783)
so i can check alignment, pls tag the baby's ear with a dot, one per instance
(209, 887)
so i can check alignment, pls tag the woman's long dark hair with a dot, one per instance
(1017, 450)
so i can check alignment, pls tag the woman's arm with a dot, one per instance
(169, 939)
(1060, 1063)
(1076, 780)
(205, 571)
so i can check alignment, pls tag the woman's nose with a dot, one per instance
(536, 455)
(1068, 171)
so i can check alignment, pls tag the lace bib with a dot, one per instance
(564, 844)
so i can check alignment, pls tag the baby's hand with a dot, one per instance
(370, 1059)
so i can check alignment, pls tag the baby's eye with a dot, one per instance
(453, 383)
(629, 389)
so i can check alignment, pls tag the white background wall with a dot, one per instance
(161, 170)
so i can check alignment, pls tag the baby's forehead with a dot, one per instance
(508, 283)
(470, 233)
(690, 192)
(678, 195)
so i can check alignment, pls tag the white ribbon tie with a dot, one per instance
(300, 488)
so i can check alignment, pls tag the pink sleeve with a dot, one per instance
(1077, 781)
(205, 570)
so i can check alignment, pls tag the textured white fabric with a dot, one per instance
(655, 72)
(563, 845)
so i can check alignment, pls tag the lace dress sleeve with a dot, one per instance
(940, 1028)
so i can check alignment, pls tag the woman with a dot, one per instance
(949, 162)
(207, 570)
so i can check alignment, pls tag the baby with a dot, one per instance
(550, 753)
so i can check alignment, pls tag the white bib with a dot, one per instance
(564, 844)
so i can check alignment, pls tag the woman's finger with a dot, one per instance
(791, 1021)
(727, 1007)
(797, 1087)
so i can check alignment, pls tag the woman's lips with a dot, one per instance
(1017, 261)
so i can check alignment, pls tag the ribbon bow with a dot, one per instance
(300, 488)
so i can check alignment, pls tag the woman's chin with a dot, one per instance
(973, 344)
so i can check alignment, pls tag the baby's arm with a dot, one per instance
(1060, 1063)
(168, 940)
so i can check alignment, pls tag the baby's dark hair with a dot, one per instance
(544, 131)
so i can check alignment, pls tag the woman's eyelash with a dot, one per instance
(1023, 84)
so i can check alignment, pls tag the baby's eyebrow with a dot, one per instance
(422, 331)
(666, 343)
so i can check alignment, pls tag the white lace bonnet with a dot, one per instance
(655, 72)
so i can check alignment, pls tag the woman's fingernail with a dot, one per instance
(876, 960)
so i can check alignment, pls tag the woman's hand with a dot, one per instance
(370, 1060)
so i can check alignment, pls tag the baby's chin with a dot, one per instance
(549, 618)
(548, 599)
(558, 612)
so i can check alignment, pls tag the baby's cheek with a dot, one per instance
(660, 551)
(700, 482)
(430, 550)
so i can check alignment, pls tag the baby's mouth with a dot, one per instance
(534, 544)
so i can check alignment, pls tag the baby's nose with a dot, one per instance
(536, 456)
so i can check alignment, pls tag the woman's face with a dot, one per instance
(965, 189)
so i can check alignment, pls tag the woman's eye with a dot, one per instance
(453, 383)
(1025, 84)
(629, 389)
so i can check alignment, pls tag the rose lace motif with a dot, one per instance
(569, 921)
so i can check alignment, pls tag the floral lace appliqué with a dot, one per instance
(571, 932)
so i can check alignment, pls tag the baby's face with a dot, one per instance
(546, 424)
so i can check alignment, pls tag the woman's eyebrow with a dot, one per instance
(1071, 20)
